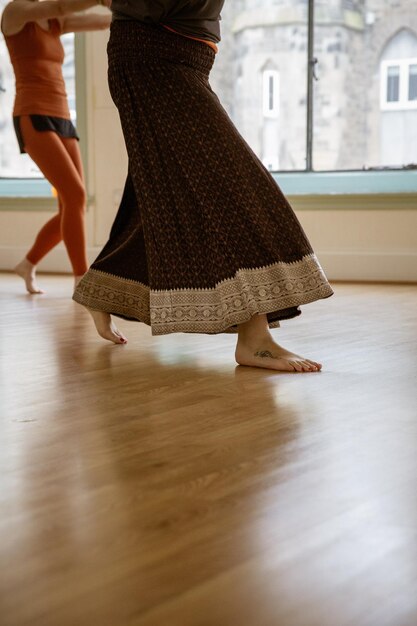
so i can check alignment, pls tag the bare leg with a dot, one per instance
(59, 160)
(27, 271)
(106, 328)
(257, 348)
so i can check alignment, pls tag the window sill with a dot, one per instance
(26, 195)
(354, 183)
(359, 190)
(25, 188)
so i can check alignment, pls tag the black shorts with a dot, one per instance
(59, 125)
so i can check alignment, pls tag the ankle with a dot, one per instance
(25, 266)
(254, 330)
(28, 263)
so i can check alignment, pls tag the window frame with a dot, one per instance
(403, 103)
(29, 194)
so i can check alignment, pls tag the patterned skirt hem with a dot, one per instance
(276, 290)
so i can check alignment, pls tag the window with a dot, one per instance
(399, 84)
(412, 82)
(68, 70)
(393, 83)
(364, 56)
(270, 104)
(12, 163)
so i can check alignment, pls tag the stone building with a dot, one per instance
(365, 101)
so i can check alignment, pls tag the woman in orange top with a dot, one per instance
(42, 121)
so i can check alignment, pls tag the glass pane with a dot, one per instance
(68, 71)
(270, 98)
(393, 83)
(351, 128)
(266, 38)
(12, 163)
(412, 83)
(271, 93)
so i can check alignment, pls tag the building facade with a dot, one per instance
(365, 98)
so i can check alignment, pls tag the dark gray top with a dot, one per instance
(196, 18)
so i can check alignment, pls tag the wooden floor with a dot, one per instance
(157, 484)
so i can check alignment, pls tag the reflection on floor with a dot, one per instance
(159, 484)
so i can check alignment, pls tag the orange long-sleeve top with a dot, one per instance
(37, 56)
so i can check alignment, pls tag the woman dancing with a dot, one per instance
(42, 121)
(204, 241)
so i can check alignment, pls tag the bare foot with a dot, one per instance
(272, 356)
(106, 328)
(256, 348)
(27, 271)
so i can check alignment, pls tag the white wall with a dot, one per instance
(358, 238)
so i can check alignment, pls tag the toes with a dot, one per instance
(34, 290)
(316, 365)
(304, 366)
(114, 335)
(118, 334)
(111, 336)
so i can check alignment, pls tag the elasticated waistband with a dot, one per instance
(139, 42)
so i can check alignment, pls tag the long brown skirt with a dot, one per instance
(204, 239)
